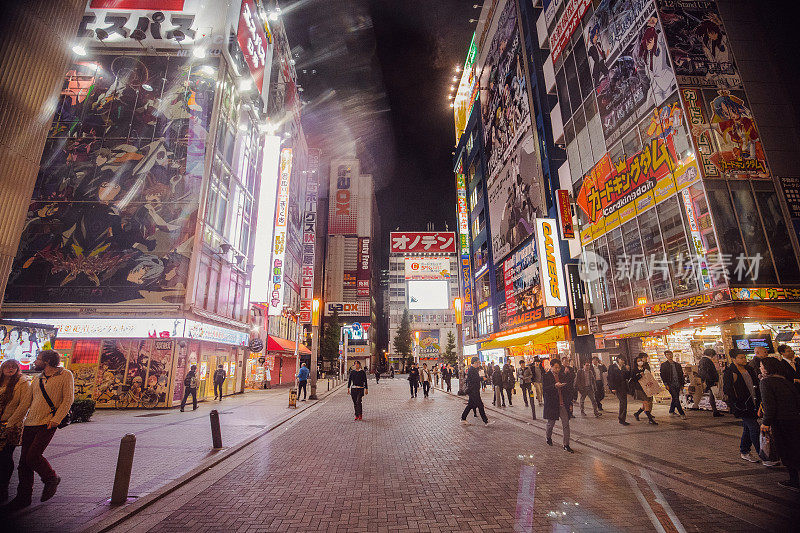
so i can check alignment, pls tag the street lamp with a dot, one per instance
(315, 305)
(458, 307)
(293, 313)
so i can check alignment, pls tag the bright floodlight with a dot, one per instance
(79, 50)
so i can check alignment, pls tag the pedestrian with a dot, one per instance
(413, 380)
(569, 375)
(791, 366)
(755, 362)
(538, 374)
(15, 398)
(473, 386)
(52, 394)
(302, 381)
(672, 376)
(709, 375)
(436, 375)
(190, 384)
(508, 381)
(585, 383)
(640, 369)
(558, 396)
(357, 387)
(219, 379)
(446, 377)
(780, 403)
(618, 375)
(377, 375)
(391, 371)
(497, 384)
(425, 377)
(482, 372)
(740, 385)
(598, 369)
(525, 375)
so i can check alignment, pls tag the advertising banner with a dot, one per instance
(565, 214)
(309, 245)
(699, 44)
(577, 310)
(253, 41)
(552, 270)
(467, 90)
(360, 308)
(422, 241)
(429, 343)
(515, 198)
(566, 25)
(276, 284)
(521, 277)
(343, 212)
(504, 96)
(465, 269)
(427, 268)
(23, 342)
(364, 267)
(114, 209)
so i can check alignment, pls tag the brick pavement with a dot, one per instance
(411, 466)
(168, 445)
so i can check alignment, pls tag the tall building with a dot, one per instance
(423, 280)
(351, 277)
(139, 240)
(682, 170)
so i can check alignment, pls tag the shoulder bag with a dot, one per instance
(65, 422)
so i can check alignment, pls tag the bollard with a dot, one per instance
(533, 407)
(329, 385)
(216, 433)
(122, 478)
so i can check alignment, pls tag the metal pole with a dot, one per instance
(296, 353)
(122, 478)
(460, 355)
(313, 369)
(346, 338)
(216, 432)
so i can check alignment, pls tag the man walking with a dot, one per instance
(558, 395)
(618, 375)
(740, 384)
(526, 378)
(755, 363)
(190, 384)
(473, 386)
(598, 369)
(413, 380)
(497, 384)
(508, 380)
(425, 376)
(790, 365)
(673, 378)
(52, 394)
(357, 387)
(302, 381)
(219, 379)
(538, 374)
(707, 370)
(585, 383)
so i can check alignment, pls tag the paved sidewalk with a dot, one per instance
(168, 445)
(411, 466)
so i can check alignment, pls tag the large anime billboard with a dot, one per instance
(113, 213)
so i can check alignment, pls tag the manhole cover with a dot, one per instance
(149, 415)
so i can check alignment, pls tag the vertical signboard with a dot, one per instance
(309, 242)
(467, 91)
(552, 271)
(577, 310)
(253, 41)
(343, 215)
(465, 267)
(565, 214)
(363, 274)
(277, 265)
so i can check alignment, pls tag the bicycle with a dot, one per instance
(124, 398)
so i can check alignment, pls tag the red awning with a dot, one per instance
(737, 312)
(277, 344)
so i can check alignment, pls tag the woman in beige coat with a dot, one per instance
(15, 399)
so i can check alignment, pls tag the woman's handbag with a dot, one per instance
(767, 451)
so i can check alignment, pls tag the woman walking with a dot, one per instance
(640, 367)
(357, 387)
(15, 398)
(780, 403)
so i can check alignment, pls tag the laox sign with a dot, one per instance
(343, 191)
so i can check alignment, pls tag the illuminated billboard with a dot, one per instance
(265, 224)
(277, 265)
(552, 271)
(467, 91)
(343, 205)
(427, 268)
(428, 294)
(465, 268)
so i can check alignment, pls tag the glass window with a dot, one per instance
(653, 250)
(582, 63)
(607, 280)
(755, 241)
(681, 269)
(618, 262)
(636, 263)
(572, 82)
(775, 225)
(727, 226)
(563, 96)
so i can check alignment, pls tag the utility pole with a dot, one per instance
(315, 305)
(457, 305)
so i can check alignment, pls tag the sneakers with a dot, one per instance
(464, 423)
(771, 464)
(683, 416)
(549, 442)
(489, 423)
(789, 484)
(50, 489)
(598, 415)
(568, 449)
(750, 457)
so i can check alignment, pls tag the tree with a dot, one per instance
(449, 354)
(402, 339)
(329, 347)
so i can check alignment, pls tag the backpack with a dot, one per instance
(190, 381)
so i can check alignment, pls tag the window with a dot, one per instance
(727, 226)
(653, 250)
(636, 263)
(755, 241)
(572, 82)
(775, 226)
(563, 96)
(684, 279)
(617, 264)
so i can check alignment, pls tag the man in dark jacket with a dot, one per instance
(598, 369)
(190, 384)
(219, 379)
(755, 362)
(558, 394)
(707, 370)
(508, 381)
(473, 387)
(497, 385)
(673, 379)
(413, 380)
(618, 375)
(740, 384)
(525, 375)
(790, 364)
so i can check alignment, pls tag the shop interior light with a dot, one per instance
(199, 52)
(147, 87)
(79, 50)
(245, 84)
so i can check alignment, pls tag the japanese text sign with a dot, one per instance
(423, 241)
(253, 41)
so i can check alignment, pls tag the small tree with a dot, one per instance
(449, 354)
(402, 339)
(329, 347)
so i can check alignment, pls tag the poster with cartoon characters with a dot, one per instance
(429, 343)
(505, 111)
(23, 342)
(113, 211)
(698, 44)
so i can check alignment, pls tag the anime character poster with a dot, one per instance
(699, 44)
(85, 375)
(504, 96)
(725, 132)
(158, 371)
(111, 372)
(23, 342)
(429, 343)
(515, 198)
(523, 290)
(114, 207)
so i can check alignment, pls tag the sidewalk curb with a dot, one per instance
(635, 462)
(115, 516)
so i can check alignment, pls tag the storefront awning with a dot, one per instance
(544, 335)
(737, 312)
(645, 327)
(277, 344)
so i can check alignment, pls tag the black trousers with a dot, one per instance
(377, 378)
(474, 402)
(426, 388)
(186, 394)
(357, 395)
(711, 399)
(414, 385)
(676, 400)
(6, 465)
(623, 405)
(599, 392)
(447, 382)
(218, 390)
(526, 391)
(509, 393)
(301, 385)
